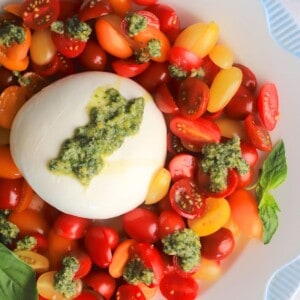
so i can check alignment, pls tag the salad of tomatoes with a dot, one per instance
(208, 194)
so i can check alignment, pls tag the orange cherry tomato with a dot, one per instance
(26, 196)
(11, 100)
(244, 213)
(120, 7)
(8, 168)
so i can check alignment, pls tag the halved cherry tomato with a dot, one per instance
(175, 287)
(141, 224)
(144, 2)
(39, 263)
(183, 166)
(249, 79)
(169, 20)
(40, 14)
(169, 221)
(174, 144)
(217, 245)
(193, 97)
(186, 199)
(129, 67)
(200, 130)
(91, 9)
(241, 104)
(257, 133)
(245, 179)
(268, 105)
(33, 83)
(164, 99)
(71, 227)
(129, 292)
(184, 59)
(102, 283)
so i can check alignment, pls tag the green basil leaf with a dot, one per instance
(17, 279)
(268, 209)
(274, 169)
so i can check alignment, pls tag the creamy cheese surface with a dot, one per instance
(52, 115)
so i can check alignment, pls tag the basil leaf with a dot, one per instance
(17, 279)
(274, 169)
(268, 209)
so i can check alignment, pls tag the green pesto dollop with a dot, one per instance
(63, 279)
(152, 49)
(135, 23)
(8, 230)
(73, 27)
(220, 157)
(135, 271)
(177, 72)
(185, 244)
(10, 34)
(26, 243)
(112, 119)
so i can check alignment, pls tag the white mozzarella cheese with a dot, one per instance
(51, 116)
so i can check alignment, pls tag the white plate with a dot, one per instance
(243, 27)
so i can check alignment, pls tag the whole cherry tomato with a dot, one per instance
(129, 292)
(249, 153)
(10, 192)
(249, 79)
(88, 295)
(141, 224)
(129, 67)
(169, 221)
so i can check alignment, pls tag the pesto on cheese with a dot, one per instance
(112, 119)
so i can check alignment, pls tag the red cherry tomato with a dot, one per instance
(175, 287)
(129, 292)
(39, 14)
(249, 79)
(186, 199)
(144, 2)
(93, 57)
(102, 283)
(10, 192)
(129, 67)
(141, 224)
(193, 97)
(210, 70)
(41, 242)
(111, 236)
(241, 104)
(84, 261)
(257, 133)
(71, 227)
(164, 99)
(68, 8)
(169, 221)
(183, 166)
(174, 144)
(245, 179)
(249, 153)
(184, 59)
(200, 130)
(91, 9)
(268, 105)
(97, 246)
(217, 245)
(89, 295)
(169, 20)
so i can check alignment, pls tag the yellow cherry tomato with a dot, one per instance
(230, 127)
(159, 186)
(223, 88)
(42, 48)
(199, 38)
(222, 56)
(209, 270)
(36, 261)
(45, 286)
(217, 213)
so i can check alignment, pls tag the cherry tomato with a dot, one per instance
(168, 19)
(164, 99)
(174, 144)
(176, 287)
(7, 78)
(71, 227)
(268, 105)
(186, 199)
(241, 104)
(91, 9)
(183, 166)
(84, 261)
(210, 70)
(193, 97)
(129, 292)
(245, 179)
(217, 245)
(184, 59)
(249, 79)
(39, 263)
(169, 221)
(120, 7)
(129, 67)
(153, 76)
(102, 283)
(41, 242)
(97, 246)
(249, 153)
(89, 295)
(209, 270)
(141, 224)
(111, 235)
(257, 133)
(200, 130)
(68, 8)
(144, 2)
(39, 14)
(10, 191)
(222, 56)
(93, 57)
